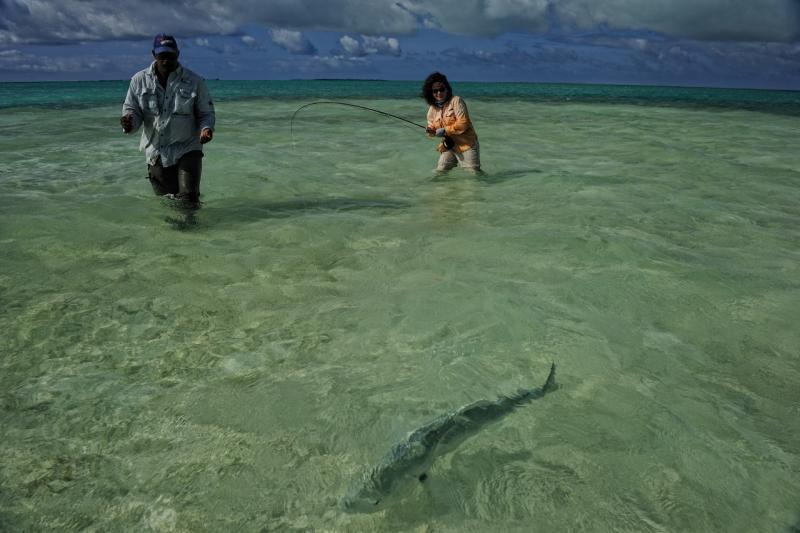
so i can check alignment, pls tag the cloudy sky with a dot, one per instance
(732, 43)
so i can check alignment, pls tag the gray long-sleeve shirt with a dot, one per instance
(171, 118)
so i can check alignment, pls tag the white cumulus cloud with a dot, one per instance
(292, 41)
(370, 46)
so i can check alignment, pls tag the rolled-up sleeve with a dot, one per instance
(204, 107)
(462, 122)
(131, 105)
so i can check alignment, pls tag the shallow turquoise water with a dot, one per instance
(336, 294)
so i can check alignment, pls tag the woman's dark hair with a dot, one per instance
(427, 87)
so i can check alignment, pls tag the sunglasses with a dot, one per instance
(442, 90)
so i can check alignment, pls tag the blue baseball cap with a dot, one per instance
(164, 43)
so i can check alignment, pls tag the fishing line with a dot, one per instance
(384, 113)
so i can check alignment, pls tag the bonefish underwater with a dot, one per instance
(410, 459)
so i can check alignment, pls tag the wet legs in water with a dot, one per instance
(470, 159)
(180, 182)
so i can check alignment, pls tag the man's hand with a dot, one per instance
(430, 130)
(127, 123)
(206, 135)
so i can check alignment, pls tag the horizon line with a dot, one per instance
(607, 83)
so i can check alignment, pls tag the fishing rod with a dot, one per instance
(384, 113)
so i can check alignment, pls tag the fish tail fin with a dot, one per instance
(550, 384)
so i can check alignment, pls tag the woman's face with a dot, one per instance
(439, 91)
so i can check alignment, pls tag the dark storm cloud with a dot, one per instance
(30, 21)
(54, 21)
(714, 20)
(68, 21)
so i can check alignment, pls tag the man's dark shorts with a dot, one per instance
(181, 180)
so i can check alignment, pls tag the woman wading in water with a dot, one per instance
(448, 118)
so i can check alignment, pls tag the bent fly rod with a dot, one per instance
(384, 113)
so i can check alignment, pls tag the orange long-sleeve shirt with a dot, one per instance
(454, 118)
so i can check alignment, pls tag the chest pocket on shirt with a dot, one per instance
(449, 116)
(184, 101)
(149, 102)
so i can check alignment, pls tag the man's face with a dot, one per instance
(166, 62)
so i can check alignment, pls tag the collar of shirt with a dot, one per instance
(175, 74)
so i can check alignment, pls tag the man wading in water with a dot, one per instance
(174, 108)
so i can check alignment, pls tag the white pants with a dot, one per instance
(470, 159)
